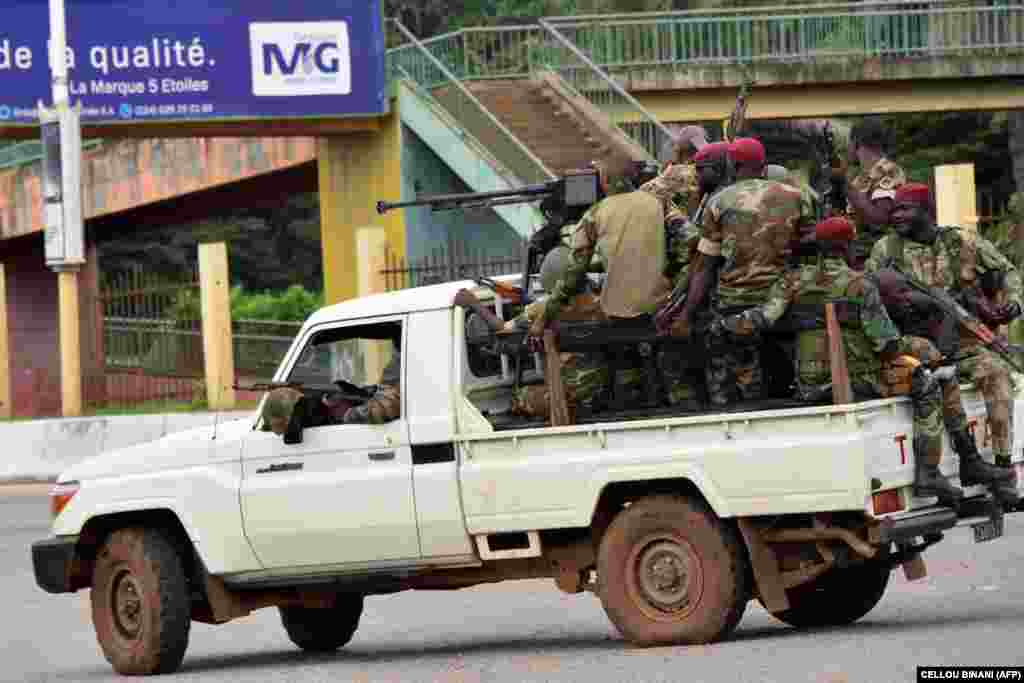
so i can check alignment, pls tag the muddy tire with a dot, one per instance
(671, 572)
(837, 598)
(323, 629)
(140, 602)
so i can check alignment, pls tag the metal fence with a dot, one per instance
(153, 342)
(445, 265)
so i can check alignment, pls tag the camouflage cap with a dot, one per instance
(279, 405)
(674, 179)
(554, 266)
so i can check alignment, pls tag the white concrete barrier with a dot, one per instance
(42, 449)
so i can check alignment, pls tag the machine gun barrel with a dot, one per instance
(440, 202)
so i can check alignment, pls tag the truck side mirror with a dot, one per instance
(293, 434)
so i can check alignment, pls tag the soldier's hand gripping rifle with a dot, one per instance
(977, 329)
(562, 200)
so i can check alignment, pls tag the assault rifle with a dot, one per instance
(977, 329)
(339, 389)
(833, 193)
(738, 118)
(563, 201)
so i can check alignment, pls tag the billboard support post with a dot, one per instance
(60, 130)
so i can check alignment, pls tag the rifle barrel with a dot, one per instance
(527, 192)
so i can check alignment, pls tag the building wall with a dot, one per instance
(32, 318)
(480, 231)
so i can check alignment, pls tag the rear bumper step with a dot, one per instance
(921, 523)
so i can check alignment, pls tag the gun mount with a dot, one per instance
(563, 201)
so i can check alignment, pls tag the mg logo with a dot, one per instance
(300, 58)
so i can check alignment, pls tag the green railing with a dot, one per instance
(436, 81)
(789, 34)
(21, 153)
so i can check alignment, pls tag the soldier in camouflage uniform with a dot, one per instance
(871, 193)
(685, 145)
(877, 354)
(745, 229)
(628, 232)
(584, 375)
(385, 404)
(955, 260)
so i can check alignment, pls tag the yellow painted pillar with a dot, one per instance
(6, 408)
(355, 171)
(70, 343)
(955, 198)
(371, 243)
(218, 351)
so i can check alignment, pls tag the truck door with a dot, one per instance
(344, 496)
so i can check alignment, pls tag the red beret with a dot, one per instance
(747, 151)
(711, 151)
(835, 229)
(914, 193)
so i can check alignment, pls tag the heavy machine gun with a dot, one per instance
(562, 201)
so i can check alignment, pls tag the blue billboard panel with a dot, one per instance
(209, 60)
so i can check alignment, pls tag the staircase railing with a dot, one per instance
(591, 82)
(432, 75)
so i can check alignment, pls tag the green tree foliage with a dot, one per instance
(295, 304)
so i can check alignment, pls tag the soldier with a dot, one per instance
(746, 228)
(384, 405)
(877, 358)
(685, 145)
(628, 232)
(871, 193)
(584, 375)
(956, 260)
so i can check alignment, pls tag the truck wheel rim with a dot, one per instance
(127, 605)
(665, 581)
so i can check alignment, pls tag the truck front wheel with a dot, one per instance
(140, 602)
(669, 571)
(323, 629)
(838, 597)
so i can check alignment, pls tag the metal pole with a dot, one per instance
(67, 273)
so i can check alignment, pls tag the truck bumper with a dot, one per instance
(899, 529)
(52, 561)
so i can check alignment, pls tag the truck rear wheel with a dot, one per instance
(323, 629)
(838, 597)
(669, 571)
(140, 602)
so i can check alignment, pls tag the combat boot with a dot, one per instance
(928, 480)
(974, 470)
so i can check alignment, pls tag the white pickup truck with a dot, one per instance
(675, 521)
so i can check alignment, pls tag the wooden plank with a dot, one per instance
(70, 344)
(841, 392)
(553, 372)
(218, 352)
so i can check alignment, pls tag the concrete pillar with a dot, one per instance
(955, 198)
(218, 351)
(70, 343)
(371, 244)
(355, 171)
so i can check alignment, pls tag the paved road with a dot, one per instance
(969, 611)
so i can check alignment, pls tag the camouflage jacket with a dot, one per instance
(628, 232)
(953, 262)
(749, 224)
(829, 281)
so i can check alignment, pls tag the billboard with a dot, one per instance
(197, 60)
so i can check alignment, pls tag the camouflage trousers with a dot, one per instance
(953, 414)
(676, 373)
(991, 376)
(734, 374)
(384, 406)
(584, 378)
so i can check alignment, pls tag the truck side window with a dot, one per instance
(338, 366)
